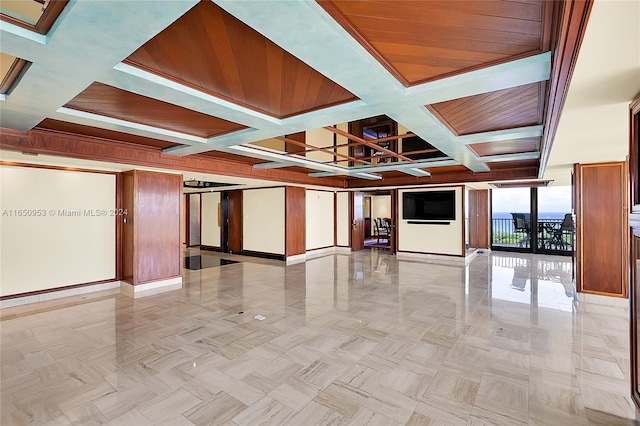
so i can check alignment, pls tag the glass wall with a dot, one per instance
(511, 218)
(555, 222)
(532, 220)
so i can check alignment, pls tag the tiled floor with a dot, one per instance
(347, 339)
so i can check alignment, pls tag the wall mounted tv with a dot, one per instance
(431, 205)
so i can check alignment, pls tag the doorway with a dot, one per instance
(231, 229)
(378, 212)
(532, 220)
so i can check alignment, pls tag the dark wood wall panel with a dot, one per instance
(234, 224)
(157, 252)
(424, 40)
(128, 191)
(503, 109)
(601, 211)
(209, 49)
(479, 218)
(295, 221)
(110, 101)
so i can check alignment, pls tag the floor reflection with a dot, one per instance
(541, 281)
(345, 338)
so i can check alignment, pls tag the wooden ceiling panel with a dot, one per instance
(106, 100)
(95, 132)
(214, 52)
(507, 165)
(424, 40)
(503, 109)
(515, 146)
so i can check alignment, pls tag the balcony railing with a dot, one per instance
(550, 236)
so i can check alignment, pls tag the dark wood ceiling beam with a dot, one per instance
(368, 143)
(49, 142)
(515, 173)
(422, 151)
(346, 145)
(326, 150)
(573, 23)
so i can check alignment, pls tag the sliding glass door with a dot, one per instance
(511, 219)
(533, 220)
(555, 221)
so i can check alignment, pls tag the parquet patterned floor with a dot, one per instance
(352, 339)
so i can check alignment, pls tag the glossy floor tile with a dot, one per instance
(342, 339)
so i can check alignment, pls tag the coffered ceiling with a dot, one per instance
(202, 84)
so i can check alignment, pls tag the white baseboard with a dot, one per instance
(598, 299)
(458, 260)
(298, 258)
(311, 254)
(149, 289)
(320, 252)
(57, 294)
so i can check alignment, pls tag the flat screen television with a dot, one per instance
(430, 205)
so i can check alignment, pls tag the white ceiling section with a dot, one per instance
(90, 39)
(594, 126)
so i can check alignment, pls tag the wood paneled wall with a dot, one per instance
(151, 231)
(479, 219)
(601, 219)
(295, 220)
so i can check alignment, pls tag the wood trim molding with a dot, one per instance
(263, 255)
(53, 290)
(572, 21)
(46, 166)
(634, 155)
(14, 72)
(119, 223)
(442, 120)
(526, 172)
(50, 142)
(44, 24)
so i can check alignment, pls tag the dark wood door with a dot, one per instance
(393, 239)
(234, 221)
(479, 218)
(357, 221)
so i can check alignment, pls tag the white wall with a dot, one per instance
(263, 227)
(435, 239)
(319, 218)
(343, 221)
(380, 207)
(272, 143)
(342, 140)
(210, 228)
(320, 138)
(55, 250)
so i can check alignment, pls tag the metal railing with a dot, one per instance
(550, 237)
